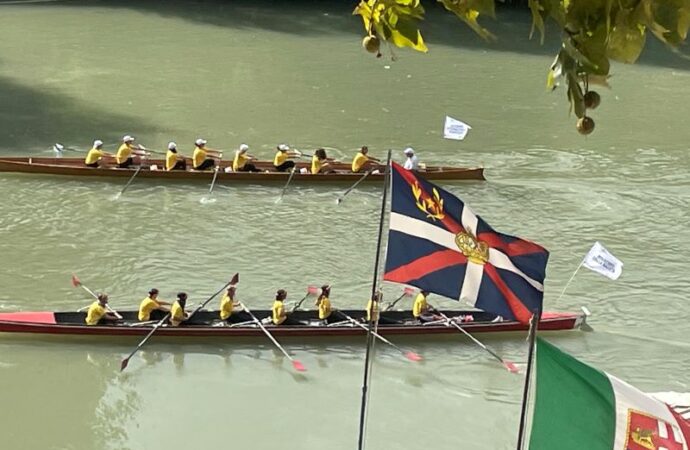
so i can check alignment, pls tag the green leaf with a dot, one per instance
(406, 34)
(575, 95)
(627, 37)
(469, 15)
(537, 20)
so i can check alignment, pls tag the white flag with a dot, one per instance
(455, 129)
(600, 260)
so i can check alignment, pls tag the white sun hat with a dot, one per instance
(127, 138)
(244, 147)
(97, 143)
(283, 147)
(409, 151)
(200, 142)
(172, 145)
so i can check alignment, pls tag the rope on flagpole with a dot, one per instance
(571, 279)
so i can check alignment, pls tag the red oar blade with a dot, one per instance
(235, 279)
(512, 368)
(298, 366)
(75, 281)
(412, 356)
(124, 363)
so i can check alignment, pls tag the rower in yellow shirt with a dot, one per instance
(228, 304)
(204, 158)
(421, 310)
(320, 162)
(278, 314)
(125, 156)
(93, 157)
(242, 161)
(373, 307)
(323, 303)
(150, 304)
(282, 161)
(98, 312)
(177, 312)
(362, 161)
(173, 160)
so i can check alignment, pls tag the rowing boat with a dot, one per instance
(155, 169)
(208, 324)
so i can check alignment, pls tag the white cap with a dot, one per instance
(283, 147)
(127, 138)
(200, 142)
(244, 147)
(409, 151)
(172, 145)
(97, 143)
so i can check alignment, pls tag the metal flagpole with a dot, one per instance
(375, 307)
(530, 359)
(571, 278)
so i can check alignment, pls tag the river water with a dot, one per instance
(265, 73)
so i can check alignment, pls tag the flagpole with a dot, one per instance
(530, 358)
(571, 278)
(375, 307)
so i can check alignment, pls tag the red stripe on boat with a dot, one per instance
(33, 317)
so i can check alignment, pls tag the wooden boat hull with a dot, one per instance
(208, 324)
(75, 167)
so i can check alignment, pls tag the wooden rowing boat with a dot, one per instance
(208, 324)
(155, 169)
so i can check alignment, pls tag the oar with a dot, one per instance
(311, 290)
(412, 356)
(406, 292)
(125, 362)
(340, 199)
(77, 283)
(136, 172)
(292, 173)
(296, 364)
(507, 364)
(208, 198)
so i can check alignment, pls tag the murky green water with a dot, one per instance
(250, 72)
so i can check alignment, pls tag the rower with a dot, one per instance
(177, 312)
(123, 157)
(150, 304)
(241, 162)
(173, 160)
(228, 303)
(320, 162)
(373, 307)
(412, 162)
(323, 302)
(204, 158)
(362, 161)
(282, 161)
(278, 314)
(98, 312)
(421, 310)
(93, 157)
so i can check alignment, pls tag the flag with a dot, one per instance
(455, 129)
(579, 407)
(438, 244)
(601, 261)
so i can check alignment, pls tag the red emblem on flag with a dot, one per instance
(647, 432)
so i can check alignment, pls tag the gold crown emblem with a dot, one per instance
(432, 207)
(476, 251)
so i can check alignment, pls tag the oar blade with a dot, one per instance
(511, 367)
(412, 356)
(298, 366)
(124, 363)
(75, 281)
(235, 279)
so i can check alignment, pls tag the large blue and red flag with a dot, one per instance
(438, 244)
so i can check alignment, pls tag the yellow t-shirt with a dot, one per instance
(199, 156)
(239, 161)
(170, 160)
(375, 305)
(278, 313)
(324, 308)
(96, 313)
(124, 152)
(146, 307)
(176, 314)
(359, 161)
(420, 305)
(315, 164)
(280, 158)
(93, 156)
(226, 306)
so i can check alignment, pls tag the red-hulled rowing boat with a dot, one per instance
(155, 169)
(208, 324)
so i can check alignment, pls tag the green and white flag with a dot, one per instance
(578, 407)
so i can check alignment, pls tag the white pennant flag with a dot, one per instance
(601, 261)
(455, 129)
